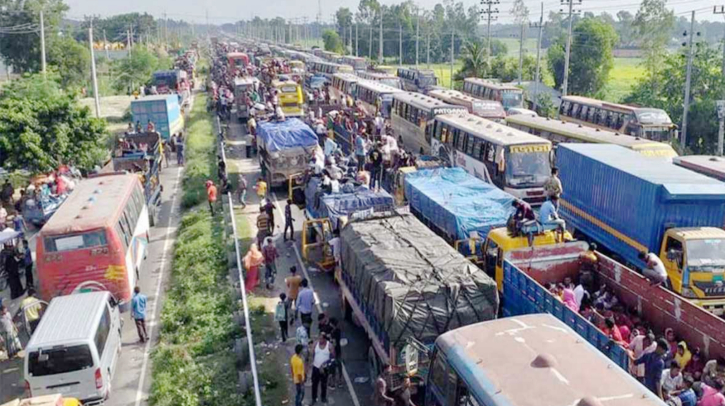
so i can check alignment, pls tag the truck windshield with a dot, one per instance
(512, 99)
(60, 360)
(706, 255)
(527, 169)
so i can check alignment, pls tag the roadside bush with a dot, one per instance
(200, 154)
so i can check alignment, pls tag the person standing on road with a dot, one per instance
(322, 355)
(281, 315)
(269, 209)
(380, 395)
(288, 220)
(31, 308)
(167, 149)
(293, 285)
(270, 256)
(376, 172)
(211, 194)
(336, 338)
(138, 312)
(28, 263)
(305, 301)
(12, 263)
(261, 188)
(298, 374)
(9, 333)
(242, 191)
(180, 151)
(360, 144)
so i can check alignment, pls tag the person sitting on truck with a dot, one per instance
(671, 381)
(655, 270)
(524, 215)
(639, 345)
(549, 216)
(683, 355)
(696, 365)
(714, 370)
(150, 127)
(611, 330)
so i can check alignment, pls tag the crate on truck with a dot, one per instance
(457, 206)
(405, 284)
(162, 110)
(285, 147)
(628, 204)
(527, 272)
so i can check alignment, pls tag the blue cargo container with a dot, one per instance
(626, 202)
(162, 110)
(454, 203)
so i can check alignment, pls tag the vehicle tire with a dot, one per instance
(373, 365)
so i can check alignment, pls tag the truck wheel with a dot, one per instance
(373, 365)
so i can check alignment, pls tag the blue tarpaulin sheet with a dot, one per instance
(456, 202)
(333, 206)
(291, 133)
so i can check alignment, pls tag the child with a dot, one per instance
(281, 315)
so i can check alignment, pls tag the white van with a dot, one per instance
(75, 348)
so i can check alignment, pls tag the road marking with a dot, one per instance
(157, 294)
(317, 304)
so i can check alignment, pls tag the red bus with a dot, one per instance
(237, 60)
(96, 239)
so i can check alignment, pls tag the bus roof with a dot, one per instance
(588, 134)
(278, 83)
(94, 203)
(599, 103)
(537, 360)
(377, 86)
(245, 81)
(346, 76)
(422, 101)
(705, 164)
(489, 130)
(420, 71)
(376, 75)
(492, 84)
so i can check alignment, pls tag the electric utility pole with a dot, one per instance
(489, 12)
(688, 79)
(721, 131)
(357, 38)
(96, 97)
(417, 37)
(521, 52)
(565, 85)
(380, 45)
(537, 78)
(400, 45)
(42, 43)
(453, 37)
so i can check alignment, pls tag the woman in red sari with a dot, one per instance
(252, 261)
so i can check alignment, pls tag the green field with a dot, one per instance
(623, 77)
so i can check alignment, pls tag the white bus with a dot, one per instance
(343, 85)
(561, 131)
(417, 80)
(488, 109)
(384, 78)
(375, 97)
(509, 96)
(412, 113)
(328, 69)
(357, 63)
(515, 161)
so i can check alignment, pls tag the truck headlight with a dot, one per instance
(688, 293)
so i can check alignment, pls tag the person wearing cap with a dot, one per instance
(211, 194)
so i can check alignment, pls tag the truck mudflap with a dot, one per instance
(523, 295)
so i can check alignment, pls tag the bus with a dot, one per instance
(526, 360)
(99, 237)
(343, 85)
(488, 109)
(290, 97)
(712, 166)
(375, 97)
(515, 161)
(417, 80)
(561, 131)
(328, 69)
(412, 113)
(384, 78)
(237, 61)
(357, 63)
(508, 96)
(332, 57)
(386, 69)
(649, 123)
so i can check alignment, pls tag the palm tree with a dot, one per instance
(474, 61)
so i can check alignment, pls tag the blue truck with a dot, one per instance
(629, 204)
(162, 110)
(455, 204)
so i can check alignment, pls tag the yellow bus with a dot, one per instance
(509, 96)
(561, 131)
(649, 123)
(290, 97)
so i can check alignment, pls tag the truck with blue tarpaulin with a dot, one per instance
(629, 204)
(285, 148)
(455, 204)
(162, 110)
(528, 272)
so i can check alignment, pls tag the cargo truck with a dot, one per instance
(406, 286)
(285, 148)
(162, 110)
(630, 204)
(527, 272)
(712, 166)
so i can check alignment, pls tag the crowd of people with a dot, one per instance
(663, 362)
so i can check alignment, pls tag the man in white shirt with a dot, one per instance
(671, 379)
(655, 271)
(379, 123)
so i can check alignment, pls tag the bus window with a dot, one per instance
(469, 145)
(477, 149)
(490, 152)
(75, 242)
(438, 374)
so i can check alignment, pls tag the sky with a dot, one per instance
(227, 11)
